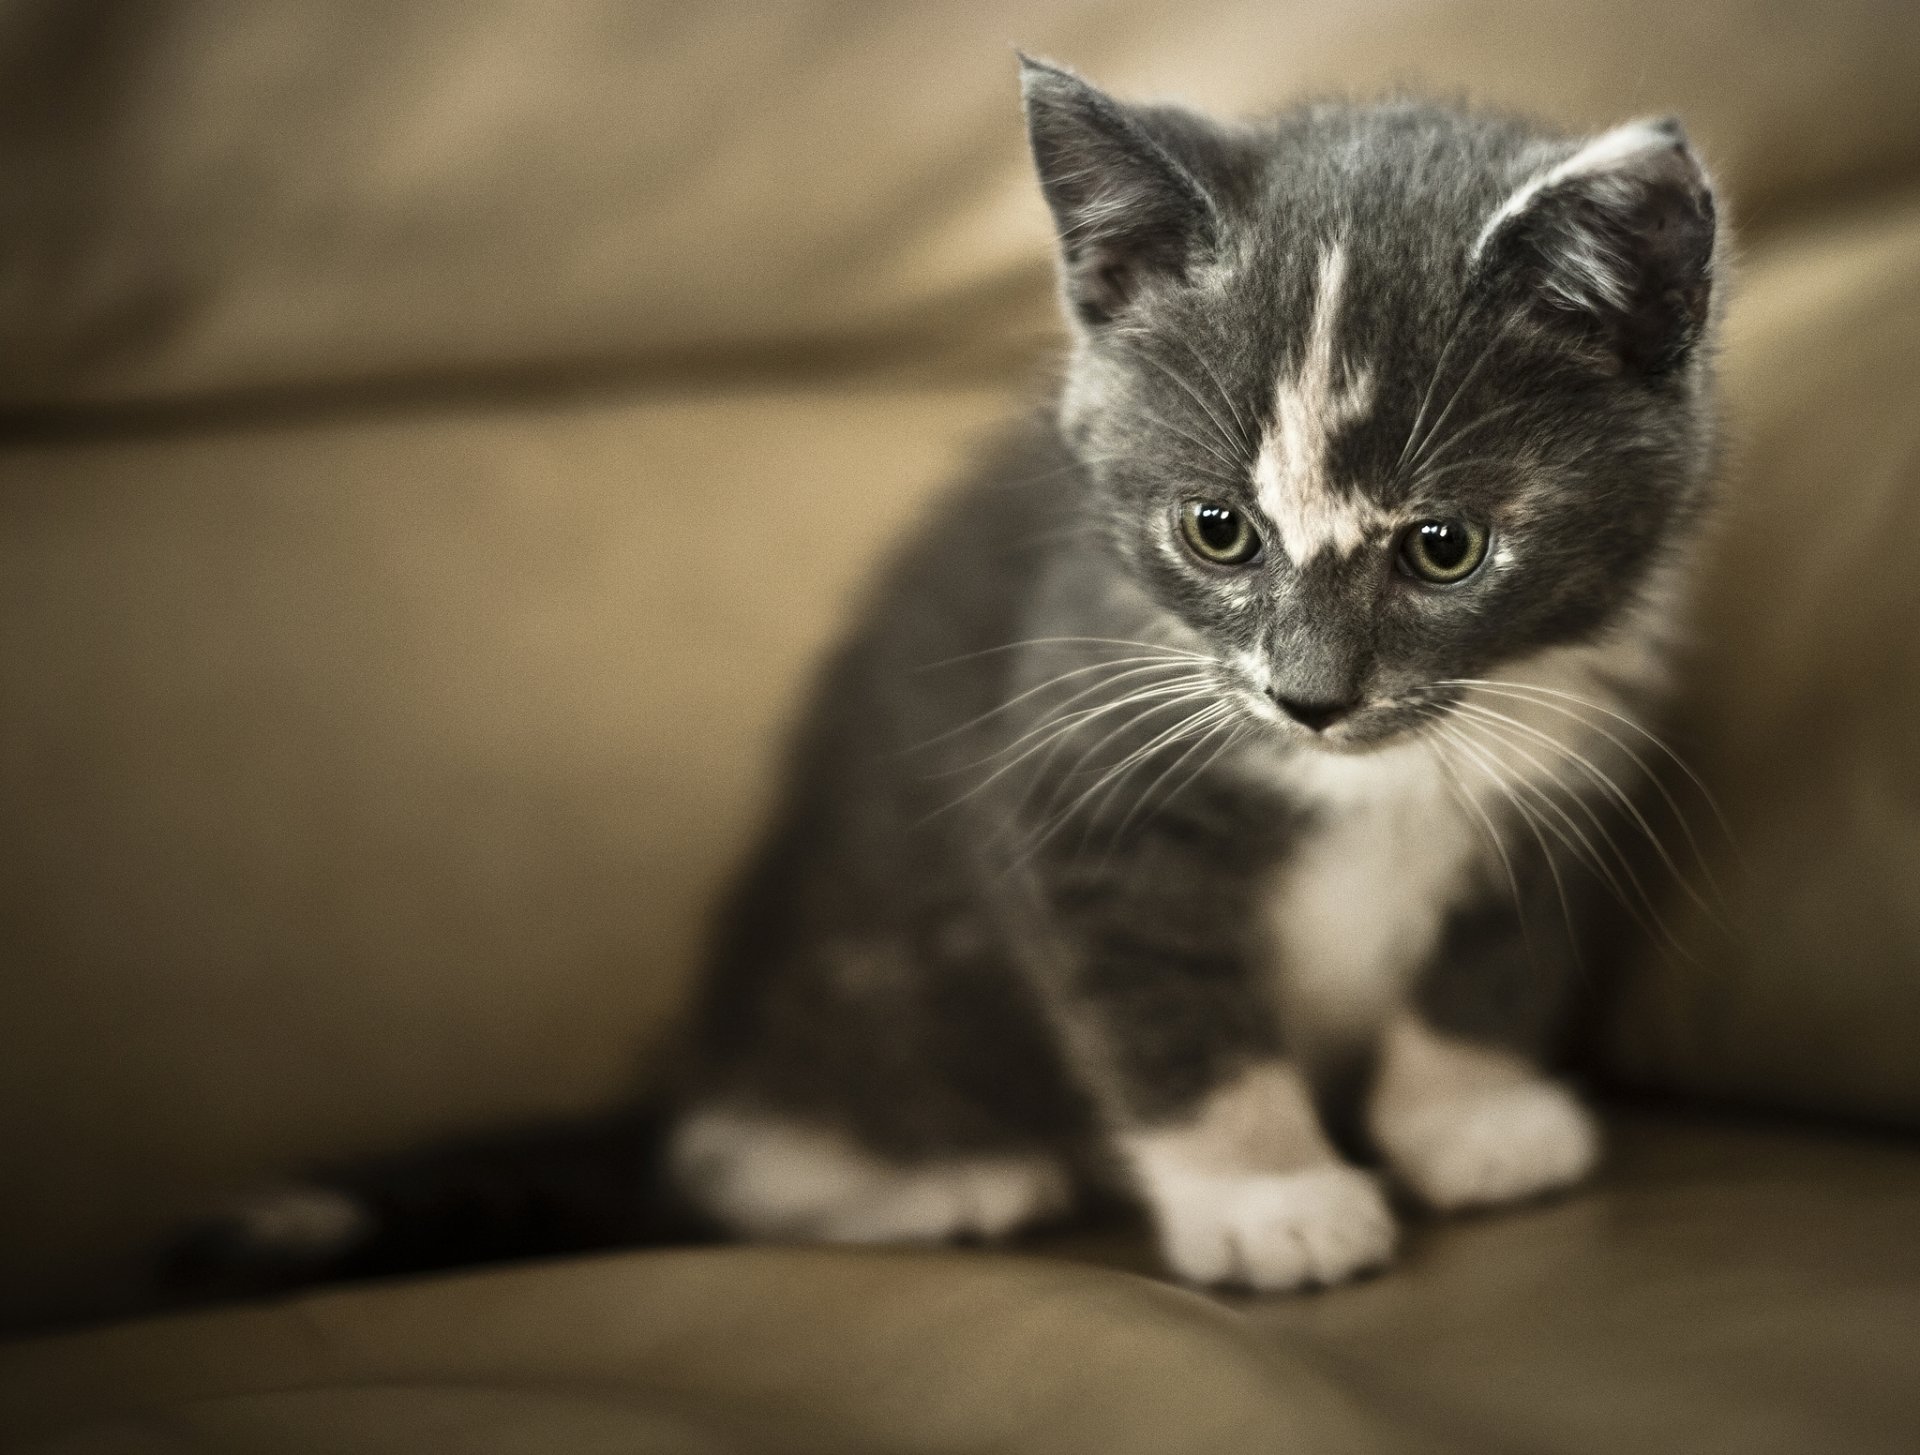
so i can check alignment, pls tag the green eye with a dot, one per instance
(1218, 533)
(1443, 551)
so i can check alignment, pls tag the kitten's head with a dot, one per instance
(1380, 397)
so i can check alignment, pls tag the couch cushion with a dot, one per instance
(1730, 1287)
(1804, 706)
(1726, 1290)
(367, 779)
(204, 196)
(740, 1350)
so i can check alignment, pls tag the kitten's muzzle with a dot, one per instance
(1318, 715)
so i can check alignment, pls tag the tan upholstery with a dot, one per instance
(1805, 708)
(437, 440)
(220, 196)
(1726, 1289)
(371, 777)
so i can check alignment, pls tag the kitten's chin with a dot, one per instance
(1341, 744)
(1371, 730)
(1354, 738)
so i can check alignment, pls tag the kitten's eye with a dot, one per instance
(1443, 551)
(1218, 533)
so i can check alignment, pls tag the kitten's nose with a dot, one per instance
(1317, 715)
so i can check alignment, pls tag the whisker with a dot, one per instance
(1431, 457)
(1226, 435)
(1054, 730)
(1183, 693)
(1234, 729)
(1061, 718)
(1247, 434)
(1461, 314)
(1553, 868)
(1131, 663)
(1460, 390)
(1651, 921)
(1586, 852)
(1499, 687)
(1466, 801)
(1064, 642)
(1224, 719)
(1112, 775)
(1566, 831)
(1606, 784)
(1235, 470)
(1426, 477)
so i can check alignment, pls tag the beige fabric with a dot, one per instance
(369, 779)
(1805, 705)
(367, 764)
(1726, 1291)
(740, 1350)
(244, 195)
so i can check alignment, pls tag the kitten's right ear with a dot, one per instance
(1617, 240)
(1123, 208)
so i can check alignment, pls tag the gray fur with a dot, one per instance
(928, 956)
(1000, 922)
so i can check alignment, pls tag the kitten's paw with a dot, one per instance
(1275, 1231)
(1499, 1145)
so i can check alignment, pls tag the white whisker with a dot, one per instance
(1466, 801)
(1605, 782)
(1460, 390)
(1567, 917)
(1113, 774)
(1062, 642)
(1224, 718)
(1651, 920)
(1248, 436)
(1235, 470)
(1431, 457)
(1499, 688)
(1226, 435)
(1152, 663)
(1053, 730)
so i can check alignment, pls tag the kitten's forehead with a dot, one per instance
(1320, 392)
(1369, 248)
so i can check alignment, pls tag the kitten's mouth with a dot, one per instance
(1366, 727)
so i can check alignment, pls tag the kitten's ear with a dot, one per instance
(1618, 240)
(1124, 208)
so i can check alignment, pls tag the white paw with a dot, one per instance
(766, 1178)
(1495, 1146)
(1275, 1230)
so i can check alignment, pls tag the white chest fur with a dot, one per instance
(1359, 906)
(1401, 837)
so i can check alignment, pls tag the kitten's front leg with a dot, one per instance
(1459, 1107)
(1246, 1190)
(1167, 1006)
(1469, 1126)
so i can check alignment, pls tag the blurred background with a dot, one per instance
(436, 438)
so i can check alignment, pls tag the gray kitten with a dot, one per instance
(1181, 816)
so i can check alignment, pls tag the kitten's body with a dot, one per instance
(1062, 893)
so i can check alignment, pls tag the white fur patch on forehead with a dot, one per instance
(1319, 400)
(1607, 152)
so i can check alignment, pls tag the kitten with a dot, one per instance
(1184, 814)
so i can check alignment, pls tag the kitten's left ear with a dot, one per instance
(1124, 208)
(1618, 239)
